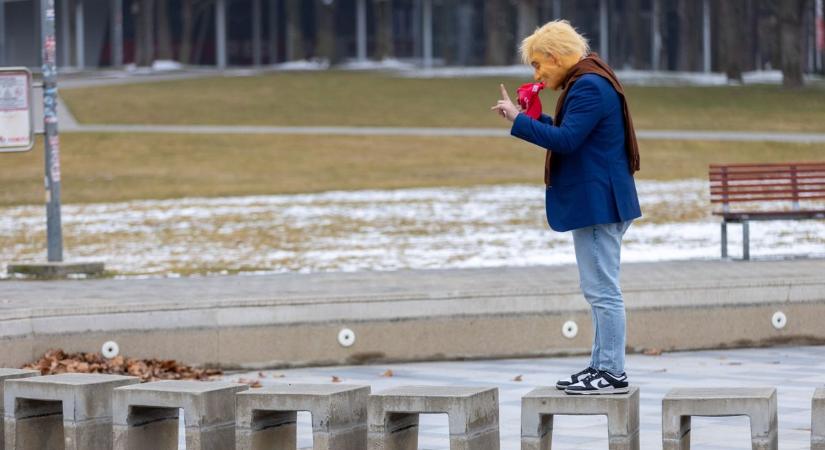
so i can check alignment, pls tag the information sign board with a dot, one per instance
(16, 110)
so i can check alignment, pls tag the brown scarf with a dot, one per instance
(593, 64)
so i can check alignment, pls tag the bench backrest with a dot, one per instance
(794, 182)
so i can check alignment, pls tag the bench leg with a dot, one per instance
(764, 427)
(746, 238)
(396, 431)
(675, 432)
(537, 432)
(724, 239)
(818, 423)
(623, 424)
(148, 428)
(268, 429)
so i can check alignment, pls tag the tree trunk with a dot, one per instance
(638, 45)
(384, 35)
(528, 18)
(790, 41)
(187, 16)
(690, 32)
(733, 26)
(294, 31)
(325, 30)
(164, 32)
(496, 23)
(145, 33)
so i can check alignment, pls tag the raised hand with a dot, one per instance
(505, 107)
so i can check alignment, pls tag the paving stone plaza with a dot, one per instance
(721, 399)
(796, 372)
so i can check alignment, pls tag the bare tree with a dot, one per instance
(145, 32)
(690, 27)
(294, 31)
(733, 27)
(636, 48)
(791, 48)
(528, 17)
(384, 34)
(187, 19)
(164, 31)
(325, 30)
(496, 22)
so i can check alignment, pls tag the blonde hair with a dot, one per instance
(557, 38)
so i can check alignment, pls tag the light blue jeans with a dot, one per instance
(598, 253)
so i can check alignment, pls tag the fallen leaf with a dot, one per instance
(57, 361)
(388, 373)
(517, 378)
(335, 379)
(652, 351)
(250, 383)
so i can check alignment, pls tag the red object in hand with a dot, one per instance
(528, 99)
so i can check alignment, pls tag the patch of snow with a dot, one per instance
(302, 65)
(484, 226)
(384, 64)
(166, 65)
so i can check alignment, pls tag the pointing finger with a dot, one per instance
(504, 94)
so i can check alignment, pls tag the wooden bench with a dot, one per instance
(787, 184)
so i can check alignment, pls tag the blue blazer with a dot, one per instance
(590, 180)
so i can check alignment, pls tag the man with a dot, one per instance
(592, 154)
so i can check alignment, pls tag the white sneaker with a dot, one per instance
(600, 383)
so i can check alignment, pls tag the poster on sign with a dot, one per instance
(16, 112)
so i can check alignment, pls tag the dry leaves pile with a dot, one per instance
(58, 361)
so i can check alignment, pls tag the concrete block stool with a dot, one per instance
(472, 413)
(266, 417)
(818, 420)
(146, 415)
(10, 374)
(540, 405)
(757, 403)
(70, 411)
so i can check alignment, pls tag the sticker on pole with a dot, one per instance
(16, 111)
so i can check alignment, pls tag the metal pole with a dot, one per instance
(706, 35)
(79, 35)
(361, 27)
(256, 32)
(604, 42)
(117, 33)
(428, 33)
(819, 24)
(65, 33)
(220, 33)
(54, 235)
(273, 31)
(2, 32)
(656, 35)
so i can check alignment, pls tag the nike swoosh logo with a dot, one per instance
(603, 384)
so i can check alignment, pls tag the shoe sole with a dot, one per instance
(623, 390)
(561, 388)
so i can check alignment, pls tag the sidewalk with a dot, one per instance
(795, 371)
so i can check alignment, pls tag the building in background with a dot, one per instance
(686, 35)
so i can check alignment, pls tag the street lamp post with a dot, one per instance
(52, 141)
(55, 267)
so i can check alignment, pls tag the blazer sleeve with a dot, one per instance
(546, 119)
(584, 110)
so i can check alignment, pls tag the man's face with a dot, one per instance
(548, 69)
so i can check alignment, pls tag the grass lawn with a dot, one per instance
(117, 167)
(361, 99)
